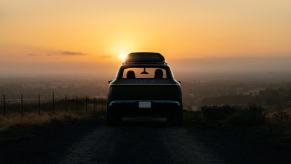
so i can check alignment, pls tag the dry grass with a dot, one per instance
(255, 123)
(13, 120)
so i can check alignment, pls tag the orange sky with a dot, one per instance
(84, 32)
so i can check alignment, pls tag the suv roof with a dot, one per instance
(145, 58)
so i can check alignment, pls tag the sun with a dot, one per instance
(122, 55)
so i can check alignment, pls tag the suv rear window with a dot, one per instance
(144, 73)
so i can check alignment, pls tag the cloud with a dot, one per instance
(72, 53)
(58, 53)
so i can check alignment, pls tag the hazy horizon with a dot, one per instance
(223, 65)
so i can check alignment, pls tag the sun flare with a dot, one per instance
(122, 56)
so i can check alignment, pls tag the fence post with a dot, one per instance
(4, 104)
(66, 103)
(96, 104)
(86, 104)
(53, 100)
(76, 103)
(39, 104)
(21, 105)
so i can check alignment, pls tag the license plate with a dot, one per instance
(144, 104)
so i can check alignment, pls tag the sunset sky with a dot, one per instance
(85, 35)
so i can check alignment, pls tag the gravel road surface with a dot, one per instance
(139, 143)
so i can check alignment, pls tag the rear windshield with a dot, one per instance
(144, 73)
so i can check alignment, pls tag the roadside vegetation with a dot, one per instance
(16, 127)
(26, 121)
(253, 123)
(43, 118)
(29, 113)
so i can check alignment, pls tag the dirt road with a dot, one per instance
(139, 144)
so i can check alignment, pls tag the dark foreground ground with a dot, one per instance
(136, 141)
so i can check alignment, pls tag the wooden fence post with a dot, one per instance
(76, 103)
(39, 104)
(96, 104)
(53, 100)
(4, 104)
(66, 103)
(86, 104)
(21, 105)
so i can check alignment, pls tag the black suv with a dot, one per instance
(144, 86)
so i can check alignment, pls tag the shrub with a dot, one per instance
(216, 113)
(231, 116)
(253, 115)
(281, 116)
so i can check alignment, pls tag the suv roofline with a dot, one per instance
(145, 64)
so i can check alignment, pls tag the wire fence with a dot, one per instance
(50, 103)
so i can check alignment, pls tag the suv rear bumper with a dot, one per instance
(131, 108)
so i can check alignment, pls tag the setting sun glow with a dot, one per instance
(122, 56)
